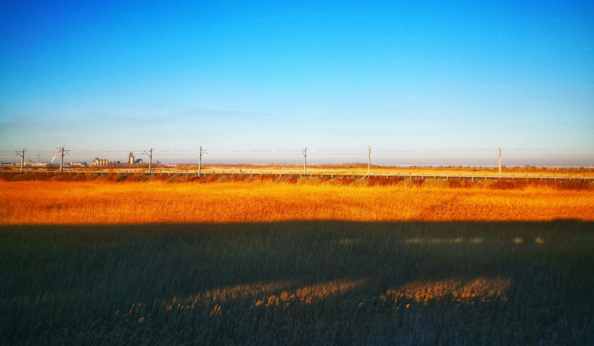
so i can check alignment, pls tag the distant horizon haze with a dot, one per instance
(324, 156)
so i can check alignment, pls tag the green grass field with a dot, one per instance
(306, 283)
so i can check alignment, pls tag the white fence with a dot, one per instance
(333, 174)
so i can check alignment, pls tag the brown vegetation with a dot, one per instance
(295, 283)
(63, 199)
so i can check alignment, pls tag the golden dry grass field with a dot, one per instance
(218, 261)
(52, 202)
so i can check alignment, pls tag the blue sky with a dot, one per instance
(100, 76)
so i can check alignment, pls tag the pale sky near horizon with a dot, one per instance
(237, 77)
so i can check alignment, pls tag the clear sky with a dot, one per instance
(99, 76)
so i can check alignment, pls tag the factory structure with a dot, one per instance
(97, 162)
(105, 162)
(100, 162)
(131, 160)
(31, 163)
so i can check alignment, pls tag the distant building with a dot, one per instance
(131, 158)
(99, 162)
(79, 163)
(29, 162)
(5, 164)
(139, 162)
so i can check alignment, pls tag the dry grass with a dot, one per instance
(218, 261)
(309, 199)
(451, 291)
(298, 283)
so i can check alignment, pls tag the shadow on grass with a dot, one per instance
(321, 282)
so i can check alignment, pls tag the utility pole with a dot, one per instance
(200, 162)
(22, 155)
(150, 161)
(368, 161)
(305, 161)
(499, 160)
(62, 153)
(150, 155)
(62, 160)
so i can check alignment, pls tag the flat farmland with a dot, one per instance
(256, 200)
(294, 262)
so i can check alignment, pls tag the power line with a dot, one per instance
(88, 151)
